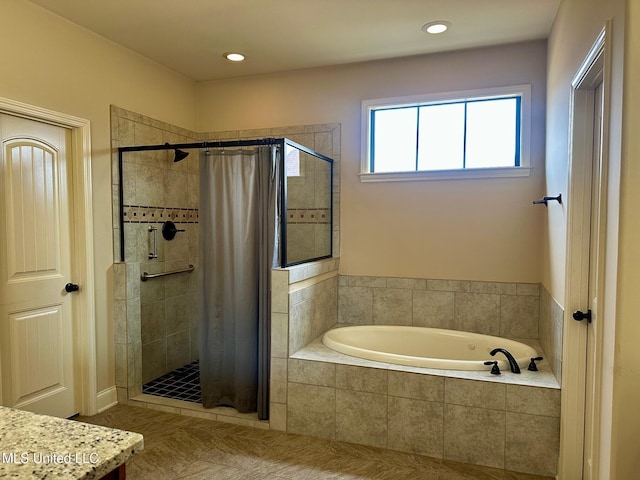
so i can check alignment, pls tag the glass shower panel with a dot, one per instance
(308, 204)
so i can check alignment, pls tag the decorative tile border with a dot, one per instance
(142, 214)
(308, 215)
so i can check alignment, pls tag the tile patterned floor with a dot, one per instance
(182, 384)
(187, 448)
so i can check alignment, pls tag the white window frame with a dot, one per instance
(523, 170)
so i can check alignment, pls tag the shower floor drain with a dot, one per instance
(183, 383)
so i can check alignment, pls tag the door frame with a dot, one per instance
(84, 327)
(595, 67)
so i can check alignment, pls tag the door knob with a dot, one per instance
(579, 316)
(71, 287)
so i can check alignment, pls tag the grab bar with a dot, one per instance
(146, 276)
(153, 250)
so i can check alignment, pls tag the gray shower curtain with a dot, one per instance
(237, 251)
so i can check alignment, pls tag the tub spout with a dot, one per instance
(512, 361)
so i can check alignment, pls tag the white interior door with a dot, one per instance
(586, 395)
(593, 382)
(36, 312)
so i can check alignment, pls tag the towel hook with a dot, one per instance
(545, 200)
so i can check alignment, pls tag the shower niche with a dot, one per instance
(159, 197)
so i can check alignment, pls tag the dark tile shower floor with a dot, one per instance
(182, 384)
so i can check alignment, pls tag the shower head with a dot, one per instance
(180, 155)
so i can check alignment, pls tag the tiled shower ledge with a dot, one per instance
(544, 378)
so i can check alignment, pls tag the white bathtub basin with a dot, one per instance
(425, 347)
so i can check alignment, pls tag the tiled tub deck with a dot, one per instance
(508, 421)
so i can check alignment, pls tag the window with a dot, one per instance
(463, 134)
(292, 161)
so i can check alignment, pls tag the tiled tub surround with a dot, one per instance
(509, 310)
(510, 422)
(303, 306)
(550, 330)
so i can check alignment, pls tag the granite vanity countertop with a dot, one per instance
(38, 446)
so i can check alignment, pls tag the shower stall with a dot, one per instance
(204, 223)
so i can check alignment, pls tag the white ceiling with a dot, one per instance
(190, 36)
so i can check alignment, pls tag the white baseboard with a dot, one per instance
(107, 398)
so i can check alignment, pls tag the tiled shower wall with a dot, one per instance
(307, 234)
(308, 216)
(157, 190)
(161, 187)
(155, 324)
(503, 309)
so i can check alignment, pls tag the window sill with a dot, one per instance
(501, 172)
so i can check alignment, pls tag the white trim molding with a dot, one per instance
(106, 399)
(461, 174)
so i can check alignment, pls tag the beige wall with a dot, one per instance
(575, 29)
(54, 64)
(483, 229)
(626, 398)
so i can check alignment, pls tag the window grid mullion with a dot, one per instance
(516, 161)
(464, 138)
(417, 135)
(372, 143)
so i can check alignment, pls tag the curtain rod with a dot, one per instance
(216, 144)
(226, 144)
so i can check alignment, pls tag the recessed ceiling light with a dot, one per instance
(234, 56)
(436, 27)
